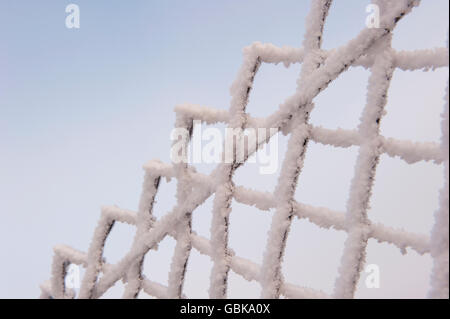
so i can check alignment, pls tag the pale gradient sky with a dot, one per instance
(82, 110)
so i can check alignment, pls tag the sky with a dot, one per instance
(81, 110)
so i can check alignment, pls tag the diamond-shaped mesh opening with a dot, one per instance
(239, 288)
(157, 262)
(201, 218)
(341, 105)
(254, 224)
(119, 242)
(115, 292)
(326, 176)
(400, 276)
(164, 198)
(206, 146)
(271, 85)
(406, 196)
(263, 167)
(426, 34)
(196, 283)
(312, 255)
(345, 17)
(422, 94)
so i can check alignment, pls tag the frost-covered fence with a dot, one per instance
(370, 49)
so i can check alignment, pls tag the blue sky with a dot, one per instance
(82, 109)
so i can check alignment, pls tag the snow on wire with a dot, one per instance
(370, 49)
